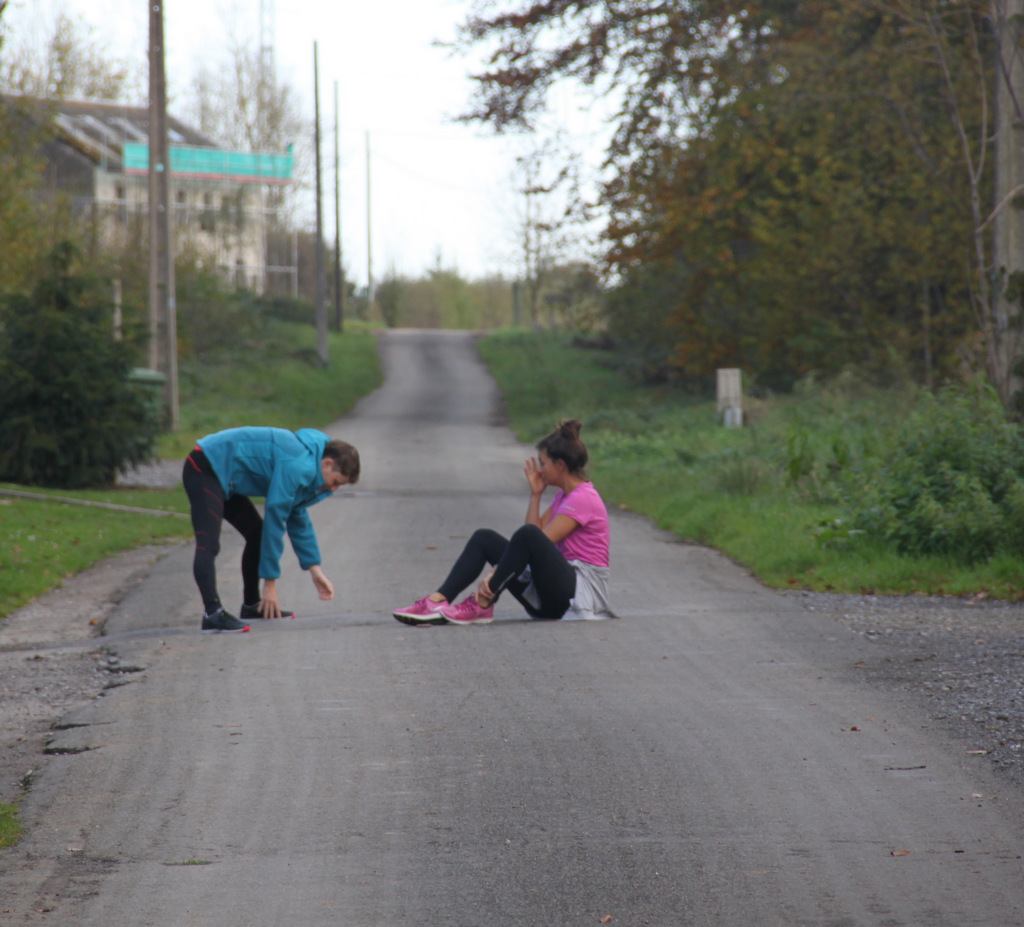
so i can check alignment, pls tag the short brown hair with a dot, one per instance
(344, 457)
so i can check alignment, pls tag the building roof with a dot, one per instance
(101, 129)
(116, 137)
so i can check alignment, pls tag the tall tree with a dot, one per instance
(244, 106)
(29, 222)
(20, 235)
(976, 45)
(62, 59)
(1007, 17)
(549, 216)
(782, 168)
(51, 59)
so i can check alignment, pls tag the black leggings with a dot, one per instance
(554, 578)
(209, 510)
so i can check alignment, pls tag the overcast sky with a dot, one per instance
(436, 188)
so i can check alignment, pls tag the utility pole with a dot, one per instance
(339, 276)
(267, 83)
(369, 232)
(321, 278)
(163, 325)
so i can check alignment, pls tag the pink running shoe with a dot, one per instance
(420, 612)
(468, 612)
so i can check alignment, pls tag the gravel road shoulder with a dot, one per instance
(963, 658)
(53, 660)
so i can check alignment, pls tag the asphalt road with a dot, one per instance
(711, 758)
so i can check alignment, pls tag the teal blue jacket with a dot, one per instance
(284, 468)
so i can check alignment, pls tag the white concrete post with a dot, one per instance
(730, 396)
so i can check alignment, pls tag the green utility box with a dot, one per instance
(150, 384)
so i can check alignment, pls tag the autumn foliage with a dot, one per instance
(789, 184)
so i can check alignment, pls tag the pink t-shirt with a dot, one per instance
(590, 541)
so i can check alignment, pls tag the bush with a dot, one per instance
(951, 482)
(212, 317)
(68, 417)
(288, 309)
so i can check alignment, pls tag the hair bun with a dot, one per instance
(564, 444)
(570, 427)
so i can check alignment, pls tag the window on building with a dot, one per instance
(208, 219)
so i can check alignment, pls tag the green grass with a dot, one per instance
(759, 494)
(274, 382)
(10, 827)
(42, 543)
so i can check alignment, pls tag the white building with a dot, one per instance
(225, 202)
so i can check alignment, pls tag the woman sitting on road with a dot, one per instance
(556, 563)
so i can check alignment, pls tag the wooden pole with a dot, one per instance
(339, 274)
(321, 278)
(369, 234)
(163, 326)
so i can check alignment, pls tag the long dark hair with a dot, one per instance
(564, 443)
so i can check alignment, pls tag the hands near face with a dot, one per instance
(533, 476)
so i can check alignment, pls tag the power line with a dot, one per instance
(429, 180)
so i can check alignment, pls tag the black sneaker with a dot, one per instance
(220, 621)
(253, 611)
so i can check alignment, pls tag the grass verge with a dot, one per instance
(275, 381)
(760, 494)
(42, 542)
(10, 827)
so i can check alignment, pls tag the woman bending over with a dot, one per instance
(556, 564)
